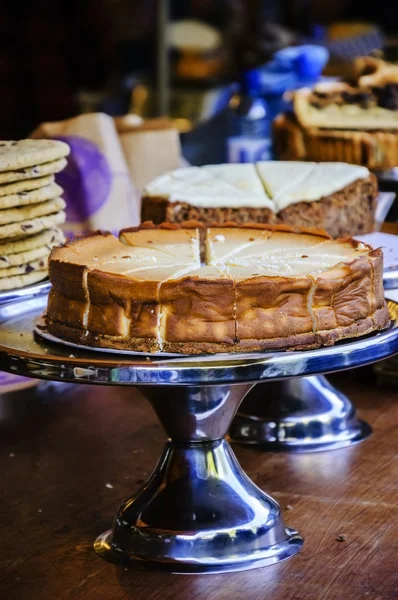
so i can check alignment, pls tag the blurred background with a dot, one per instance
(189, 61)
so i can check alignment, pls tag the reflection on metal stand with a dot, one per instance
(305, 414)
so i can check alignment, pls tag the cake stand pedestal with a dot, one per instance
(198, 512)
(305, 414)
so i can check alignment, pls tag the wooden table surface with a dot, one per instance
(68, 461)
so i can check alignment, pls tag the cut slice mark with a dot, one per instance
(372, 299)
(310, 304)
(222, 262)
(161, 316)
(87, 298)
(266, 190)
(288, 186)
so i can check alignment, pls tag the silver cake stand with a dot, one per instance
(198, 512)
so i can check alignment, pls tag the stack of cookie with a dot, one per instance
(31, 208)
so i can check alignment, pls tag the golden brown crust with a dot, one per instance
(94, 340)
(198, 310)
(306, 341)
(272, 307)
(210, 311)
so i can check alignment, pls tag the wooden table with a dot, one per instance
(68, 461)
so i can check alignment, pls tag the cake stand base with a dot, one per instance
(103, 547)
(198, 512)
(305, 414)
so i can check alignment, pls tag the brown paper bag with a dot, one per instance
(151, 148)
(97, 184)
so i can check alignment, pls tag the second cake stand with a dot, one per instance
(304, 414)
(198, 512)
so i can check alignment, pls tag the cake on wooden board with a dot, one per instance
(338, 197)
(255, 288)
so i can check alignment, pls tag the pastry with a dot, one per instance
(20, 259)
(31, 207)
(26, 185)
(18, 231)
(46, 239)
(48, 192)
(355, 121)
(20, 281)
(257, 287)
(24, 213)
(338, 197)
(15, 155)
(40, 264)
(49, 168)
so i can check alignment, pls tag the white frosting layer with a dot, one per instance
(234, 186)
(322, 180)
(279, 176)
(200, 187)
(242, 176)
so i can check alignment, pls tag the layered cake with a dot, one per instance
(337, 197)
(254, 287)
(355, 121)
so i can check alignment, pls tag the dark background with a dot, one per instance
(51, 50)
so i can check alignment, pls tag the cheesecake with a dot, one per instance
(247, 288)
(337, 197)
(354, 120)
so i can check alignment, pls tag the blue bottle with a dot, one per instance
(250, 125)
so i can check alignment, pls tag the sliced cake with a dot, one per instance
(338, 197)
(259, 287)
(208, 194)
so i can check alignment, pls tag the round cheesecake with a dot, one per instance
(247, 288)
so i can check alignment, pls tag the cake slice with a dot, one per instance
(242, 176)
(182, 247)
(223, 243)
(320, 181)
(257, 248)
(198, 312)
(112, 288)
(279, 176)
(126, 306)
(370, 102)
(198, 194)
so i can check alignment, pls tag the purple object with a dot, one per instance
(86, 180)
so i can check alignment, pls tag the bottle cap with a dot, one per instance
(307, 61)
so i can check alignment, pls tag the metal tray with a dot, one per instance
(36, 289)
(22, 352)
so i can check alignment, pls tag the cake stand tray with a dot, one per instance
(29, 291)
(390, 279)
(198, 512)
